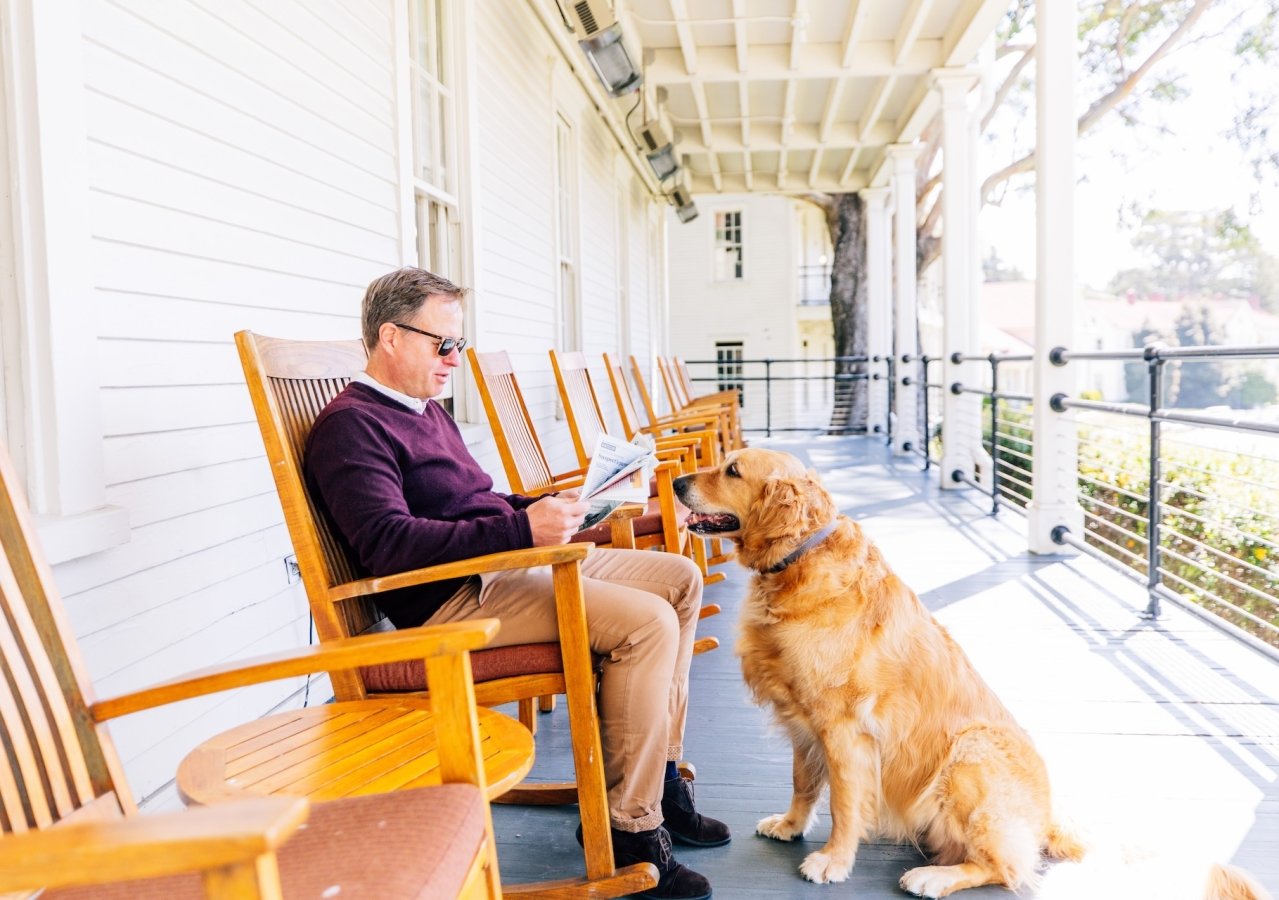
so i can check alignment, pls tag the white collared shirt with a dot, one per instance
(413, 403)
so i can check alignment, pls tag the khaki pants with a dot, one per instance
(641, 615)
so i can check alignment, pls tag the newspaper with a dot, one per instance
(619, 473)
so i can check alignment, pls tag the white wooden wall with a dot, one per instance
(243, 174)
(759, 309)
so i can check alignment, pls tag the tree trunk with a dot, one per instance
(848, 302)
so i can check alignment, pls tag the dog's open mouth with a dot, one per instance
(712, 523)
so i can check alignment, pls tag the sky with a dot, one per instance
(1194, 165)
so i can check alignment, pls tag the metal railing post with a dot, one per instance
(928, 428)
(768, 397)
(1155, 369)
(892, 387)
(994, 435)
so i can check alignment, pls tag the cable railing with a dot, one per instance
(1203, 519)
(790, 395)
(1194, 519)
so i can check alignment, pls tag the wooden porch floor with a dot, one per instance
(1162, 738)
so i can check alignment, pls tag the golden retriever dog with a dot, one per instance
(881, 705)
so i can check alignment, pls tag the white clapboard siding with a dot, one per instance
(167, 497)
(146, 589)
(154, 545)
(185, 276)
(157, 317)
(123, 173)
(136, 456)
(122, 645)
(189, 56)
(318, 44)
(127, 221)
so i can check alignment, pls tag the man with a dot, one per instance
(390, 469)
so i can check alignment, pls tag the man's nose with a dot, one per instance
(454, 357)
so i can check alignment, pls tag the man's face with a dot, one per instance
(419, 369)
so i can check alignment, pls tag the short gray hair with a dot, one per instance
(398, 295)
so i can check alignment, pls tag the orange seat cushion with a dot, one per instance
(416, 843)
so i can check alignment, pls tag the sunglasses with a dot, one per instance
(446, 344)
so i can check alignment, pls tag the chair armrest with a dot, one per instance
(423, 642)
(148, 846)
(525, 558)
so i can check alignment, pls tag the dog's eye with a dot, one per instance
(732, 472)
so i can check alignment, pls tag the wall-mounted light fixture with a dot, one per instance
(659, 149)
(682, 200)
(599, 34)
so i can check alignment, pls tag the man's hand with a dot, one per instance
(553, 520)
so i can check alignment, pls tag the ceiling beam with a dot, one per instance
(704, 189)
(687, 43)
(804, 136)
(910, 27)
(797, 36)
(856, 21)
(771, 62)
(974, 23)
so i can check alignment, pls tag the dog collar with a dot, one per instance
(803, 548)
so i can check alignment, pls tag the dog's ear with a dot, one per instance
(774, 513)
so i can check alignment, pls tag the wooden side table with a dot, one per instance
(345, 749)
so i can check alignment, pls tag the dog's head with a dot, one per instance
(766, 501)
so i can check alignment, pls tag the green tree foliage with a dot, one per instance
(1253, 391)
(1122, 45)
(1199, 255)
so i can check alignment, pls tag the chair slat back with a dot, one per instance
(290, 382)
(674, 389)
(55, 761)
(581, 406)
(685, 380)
(517, 443)
(646, 399)
(626, 411)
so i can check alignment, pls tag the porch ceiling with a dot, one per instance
(799, 95)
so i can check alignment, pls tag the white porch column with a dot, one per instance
(1056, 464)
(906, 429)
(961, 414)
(879, 312)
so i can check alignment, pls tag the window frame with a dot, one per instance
(723, 246)
(433, 210)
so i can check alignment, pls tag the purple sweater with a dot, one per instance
(404, 492)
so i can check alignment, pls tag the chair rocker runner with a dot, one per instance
(290, 382)
(69, 826)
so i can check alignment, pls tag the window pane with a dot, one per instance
(727, 262)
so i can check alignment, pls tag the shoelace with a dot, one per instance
(664, 847)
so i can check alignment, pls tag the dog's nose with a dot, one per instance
(681, 485)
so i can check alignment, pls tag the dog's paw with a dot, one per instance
(780, 827)
(929, 881)
(822, 867)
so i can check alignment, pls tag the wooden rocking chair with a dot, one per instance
(69, 825)
(726, 414)
(290, 382)
(586, 422)
(705, 427)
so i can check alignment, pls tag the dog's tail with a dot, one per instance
(1064, 843)
(1232, 883)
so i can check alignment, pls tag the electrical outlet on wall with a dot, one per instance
(291, 570)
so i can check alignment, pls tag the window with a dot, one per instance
(728, 245)
(728, 367)
(435, 152)
(566, 235)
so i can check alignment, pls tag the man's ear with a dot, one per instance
(386, 334)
